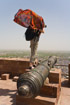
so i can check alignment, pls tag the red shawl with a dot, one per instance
(28, 18)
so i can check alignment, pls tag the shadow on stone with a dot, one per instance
(10, 93)
(65, 83)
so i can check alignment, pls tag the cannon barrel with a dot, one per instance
(30, 83)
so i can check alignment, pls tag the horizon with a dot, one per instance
(23, 50)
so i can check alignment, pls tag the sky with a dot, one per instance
(56, 14)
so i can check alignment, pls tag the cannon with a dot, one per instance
(30, 83)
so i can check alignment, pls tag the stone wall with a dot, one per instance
(14, 66)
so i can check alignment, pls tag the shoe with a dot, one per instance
(31, 66)
(35, 63)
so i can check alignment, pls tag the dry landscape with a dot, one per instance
(63, 58)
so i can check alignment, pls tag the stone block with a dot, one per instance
(15, 78)
(51, 90)
(69, 73)
(14, 66)
(55, 76)
(5, 76)
(39, 100)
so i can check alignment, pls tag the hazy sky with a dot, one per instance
(56, 14)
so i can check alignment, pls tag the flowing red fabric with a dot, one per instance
(28, 18)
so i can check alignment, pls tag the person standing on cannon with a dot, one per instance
(34, 24)
(34, 44)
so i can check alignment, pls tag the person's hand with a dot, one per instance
(41, 30)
